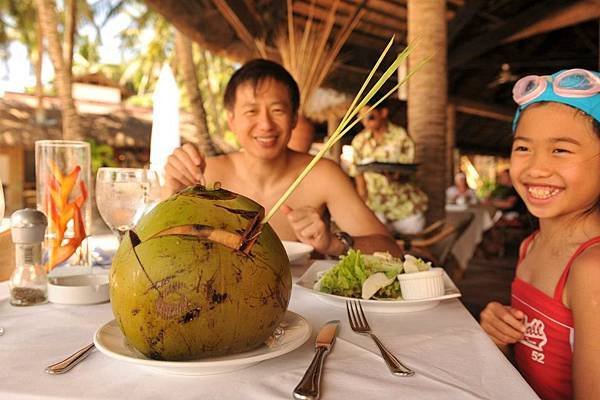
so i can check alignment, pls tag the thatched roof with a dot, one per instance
(118, 125)
(490, 44)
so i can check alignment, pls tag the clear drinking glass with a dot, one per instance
(123, 195)
(62, 169)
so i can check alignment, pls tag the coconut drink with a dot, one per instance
(200, 276)
(203, 274)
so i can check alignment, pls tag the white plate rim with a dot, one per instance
(223, 362)
(305, 282)
(303, 250)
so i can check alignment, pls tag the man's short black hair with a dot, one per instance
(256, 71)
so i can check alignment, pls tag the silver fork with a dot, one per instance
(359, 324)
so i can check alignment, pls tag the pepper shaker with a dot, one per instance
(29, 282)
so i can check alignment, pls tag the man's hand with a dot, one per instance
(503, 324)
(185, 167)
(309, 227)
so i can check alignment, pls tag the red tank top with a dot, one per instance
(544, 355)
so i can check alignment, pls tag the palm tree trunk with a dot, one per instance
(190, 80)
(427, 99)
(212, 100)
(70, 27)
(49, 22)
(40, 111)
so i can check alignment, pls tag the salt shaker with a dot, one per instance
(28, 283)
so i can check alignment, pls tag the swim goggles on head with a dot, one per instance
(577, 87)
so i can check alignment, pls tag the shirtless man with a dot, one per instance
(262, 102)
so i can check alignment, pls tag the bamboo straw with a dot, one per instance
(357, 104)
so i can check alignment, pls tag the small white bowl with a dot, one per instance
(78, 289)
(422, 285)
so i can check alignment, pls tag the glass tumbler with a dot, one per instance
(63, 185)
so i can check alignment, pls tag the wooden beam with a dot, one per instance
(216, 35)
(462, 19)
(240, 19)
(382, 8)
(492, 111)
(583, 10)
(487, 41)
(370, 22)
(357, 37)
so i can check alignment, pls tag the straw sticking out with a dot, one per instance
(351, 118)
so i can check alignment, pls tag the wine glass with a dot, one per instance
(123, 195)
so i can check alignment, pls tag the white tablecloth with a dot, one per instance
(451, 355)
(465, 246)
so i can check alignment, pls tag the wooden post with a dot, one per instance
(427, 99)
(450, 142)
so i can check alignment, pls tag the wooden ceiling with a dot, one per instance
(490, 44)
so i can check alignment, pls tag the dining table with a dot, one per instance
(483, 219)
(451, 355)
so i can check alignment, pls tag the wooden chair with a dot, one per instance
(435, 242)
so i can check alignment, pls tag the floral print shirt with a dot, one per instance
(394, 200)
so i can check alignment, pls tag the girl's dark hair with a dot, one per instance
(596, 127)
(256, 71)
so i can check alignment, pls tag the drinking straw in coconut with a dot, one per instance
(354, 109)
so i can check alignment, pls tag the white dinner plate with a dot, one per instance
(297, 251)
(311, 276)
(110, 340)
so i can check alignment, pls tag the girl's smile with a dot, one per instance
(552, 162)
(541, 194)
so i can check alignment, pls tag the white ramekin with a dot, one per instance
(422, 285)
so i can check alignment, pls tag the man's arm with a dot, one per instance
(350, 212)
(361, 186)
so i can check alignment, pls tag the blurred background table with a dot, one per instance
(483, 219)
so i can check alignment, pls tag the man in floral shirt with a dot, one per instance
(396, 201)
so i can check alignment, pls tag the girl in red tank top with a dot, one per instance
(553, 322)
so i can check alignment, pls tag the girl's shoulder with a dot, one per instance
(588, 261)
(583, 283)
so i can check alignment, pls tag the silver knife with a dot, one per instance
(309, 386)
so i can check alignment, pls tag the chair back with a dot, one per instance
(437, 240)
(442, 248)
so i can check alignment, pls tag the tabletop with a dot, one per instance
(452, 357)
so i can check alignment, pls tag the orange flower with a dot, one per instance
(61, 211)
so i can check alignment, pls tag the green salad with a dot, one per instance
(368, 276)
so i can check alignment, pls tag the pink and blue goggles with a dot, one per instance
(577, 87)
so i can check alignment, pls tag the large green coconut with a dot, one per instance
(179, 293)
